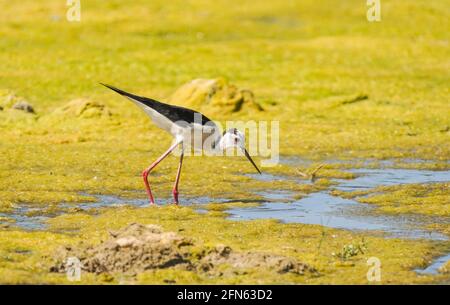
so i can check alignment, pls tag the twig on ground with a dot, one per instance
(311, 175)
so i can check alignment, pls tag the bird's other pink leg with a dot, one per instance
(177, 179)
(146, 172)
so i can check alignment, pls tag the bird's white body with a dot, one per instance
(157, 118)
(194, 136)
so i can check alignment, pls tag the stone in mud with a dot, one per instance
(214, 96)
(137, 248)
(9, 99)
(23, 106)
(83, 108)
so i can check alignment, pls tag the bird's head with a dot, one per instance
(234, 138)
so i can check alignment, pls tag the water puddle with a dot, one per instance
(324, 209)
(33, 218)
(26, 222)
(108, 201)
(268, 177)
(371, 178)
(317, 208)
(280, 196)
(367, 162)
(433, 268)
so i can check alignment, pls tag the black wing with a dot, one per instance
(173, 113)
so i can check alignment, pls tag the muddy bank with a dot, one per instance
(137, 248)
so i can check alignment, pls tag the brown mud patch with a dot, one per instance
(137, 248)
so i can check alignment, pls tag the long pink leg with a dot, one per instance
(149, 169)
(177, 179)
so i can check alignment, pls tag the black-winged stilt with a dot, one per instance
(185, 125)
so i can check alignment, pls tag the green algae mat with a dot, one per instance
(350, 96)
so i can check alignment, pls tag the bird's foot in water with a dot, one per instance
(175, 197)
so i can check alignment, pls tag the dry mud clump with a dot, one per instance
(137, 248)
(214, 96)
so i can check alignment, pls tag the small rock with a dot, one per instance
(23, 106)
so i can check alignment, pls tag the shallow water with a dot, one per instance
(269, 177)
(108, 201)
(26, 222)
(335, 212)
(38, 220)
(388, 163)
(317, 208)
(371, 178)
(433, 268)
(324, 209)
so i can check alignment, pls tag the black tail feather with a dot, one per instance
(143, 100)
(117, 90)
(172, 112)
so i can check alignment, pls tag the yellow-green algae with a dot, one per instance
(341, 87)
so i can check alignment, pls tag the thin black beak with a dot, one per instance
(250, 159)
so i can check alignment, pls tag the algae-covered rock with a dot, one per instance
(83, 108)
(214, 96)
(9, 100)
(23, 106)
